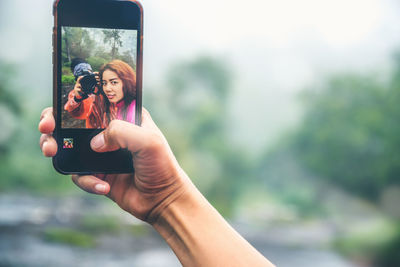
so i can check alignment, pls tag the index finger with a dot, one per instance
(47, 122)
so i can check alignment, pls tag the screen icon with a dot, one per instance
(68, 143)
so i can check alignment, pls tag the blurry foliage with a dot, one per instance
(139, 229)
(69, 236)
(349, 135)
(194, 118)
(100, 224)
(22, 166)
(68, 80)
(100, 52)
(127, 57)
(350, 138)
(76, 42)
(66, 70)
(388, 255)
(114, 38)
(96, 62)
(378, 245)
(9, 109)
(7, 97)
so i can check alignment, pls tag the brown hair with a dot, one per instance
(128, 78)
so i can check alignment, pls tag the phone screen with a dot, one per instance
(98, 77)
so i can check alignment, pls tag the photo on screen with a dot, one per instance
(98, 79)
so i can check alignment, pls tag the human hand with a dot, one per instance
(98, 86)
(78, 88)
(157, 181)
(160, 193)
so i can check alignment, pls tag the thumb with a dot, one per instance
(120, 134)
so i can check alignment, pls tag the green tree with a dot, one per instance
(113, 37)
(127, 57)
(76, 42)
(10, 109)
(344, 135)
(350, 137)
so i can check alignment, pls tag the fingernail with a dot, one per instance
(97, 141)
(100, 188)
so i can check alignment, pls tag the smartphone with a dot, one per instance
(97, 77)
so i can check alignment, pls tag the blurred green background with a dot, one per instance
(285, 117)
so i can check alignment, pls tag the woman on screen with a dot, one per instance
(102, 97)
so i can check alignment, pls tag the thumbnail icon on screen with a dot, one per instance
(68, 143)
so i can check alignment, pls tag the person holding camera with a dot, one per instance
(99, 98)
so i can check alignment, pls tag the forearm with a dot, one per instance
(200, 236)
(78, 110)
(71, 105)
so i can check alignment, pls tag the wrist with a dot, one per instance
(178, 220)
(181, 188)
(200, 236)
(77, 94)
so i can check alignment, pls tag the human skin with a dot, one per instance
(112, 86)
(160, 193)
(78, 87)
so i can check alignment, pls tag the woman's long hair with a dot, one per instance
(128, 77)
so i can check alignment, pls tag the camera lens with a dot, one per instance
(88, 83)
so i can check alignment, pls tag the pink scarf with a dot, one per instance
(130, 115)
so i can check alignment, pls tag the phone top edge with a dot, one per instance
(99, 13)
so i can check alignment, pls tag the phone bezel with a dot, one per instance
(113, 14)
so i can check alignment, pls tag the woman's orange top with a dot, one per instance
(90, 109)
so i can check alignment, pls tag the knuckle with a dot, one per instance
(43, 138)
(45, 112)
(114, 128)
(113, 133)
(156, 143)
(145, 112)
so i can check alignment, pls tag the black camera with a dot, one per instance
(88, 82)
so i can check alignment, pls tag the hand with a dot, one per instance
(78, 88)
(158, 179)
(160, 193)
(98, 86)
